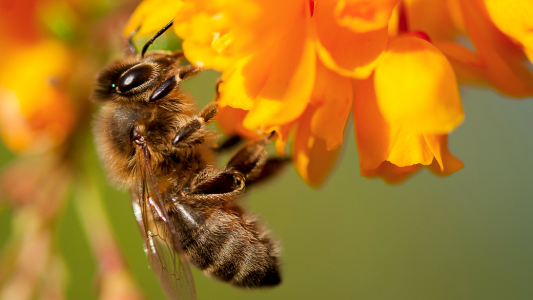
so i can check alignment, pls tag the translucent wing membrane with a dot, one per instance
(159, 236)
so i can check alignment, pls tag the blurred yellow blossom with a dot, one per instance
(299, 67)
(35, 113)
(44, 84)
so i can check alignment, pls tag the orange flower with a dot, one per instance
(290, 70)
(498, 31)
(515, 19)
(35, 112)
(392, 150)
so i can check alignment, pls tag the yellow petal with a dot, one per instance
(242, 83)
(504, 62)
(208, 41)
(289, 85)
(514, 18)
(379, 140)
(332, 95)
(310, 157)
(390, 151)
(364, 15)
(416, 87)
(343, 50)
(409, 148)
(152, 15)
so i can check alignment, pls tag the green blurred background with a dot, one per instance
(467, 236)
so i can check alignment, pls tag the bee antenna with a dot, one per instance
(158, 34)
(133, 50)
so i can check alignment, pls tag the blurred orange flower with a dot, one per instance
(35, 112)
(299, 69)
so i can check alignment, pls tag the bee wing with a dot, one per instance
(161, 243)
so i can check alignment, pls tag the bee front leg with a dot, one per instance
(183, 137)
(186, 137)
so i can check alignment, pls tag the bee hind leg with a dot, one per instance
(223, 183)
(252, 161)
(228, 143)
(272, 167)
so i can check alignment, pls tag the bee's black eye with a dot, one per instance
(134, 77)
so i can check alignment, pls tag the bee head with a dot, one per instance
(136, 78)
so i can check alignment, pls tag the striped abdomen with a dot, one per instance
(228, 245)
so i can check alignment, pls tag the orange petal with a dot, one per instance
(230, 119)
(416, 87)
(311, 158)
(152, 15)
(290, 82)
(37, 118)
(468, 66)
(282, 137)
(432, 17)
(394, 22)
(19, 21)
(218, 33)
(364, 15)
(504, 61)
(332, 95)
(514, 18)
(372, 132)
(454, 8)
(343, 50)
(390, 173)
(446, 163)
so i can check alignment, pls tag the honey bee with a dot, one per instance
(151, 141)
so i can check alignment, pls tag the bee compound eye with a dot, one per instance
(134, 77)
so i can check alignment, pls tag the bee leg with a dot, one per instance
(188, 71)
(228, 143)
(227, 182)
(252, 161)
(272, 167)
(217, 89)
(177, 55)
(250, 158)
(185, 137)
(131, 45)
